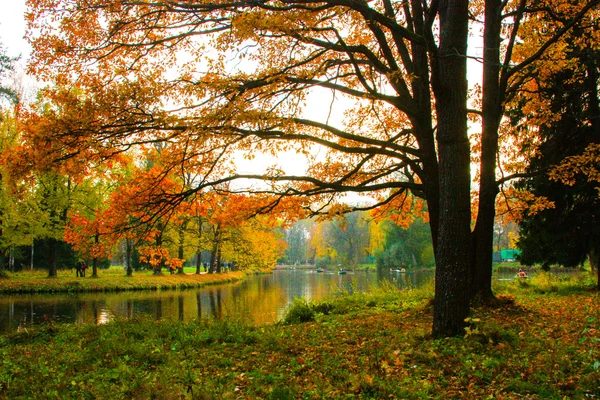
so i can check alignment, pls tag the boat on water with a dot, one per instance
(521, 274)
(320, 270)
(401, 270)
(342, 271)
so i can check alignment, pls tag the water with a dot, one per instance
(260, 299)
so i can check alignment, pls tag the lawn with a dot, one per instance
(541, 340)
(112, 279)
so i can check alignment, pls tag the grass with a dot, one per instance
(112, 279)
(541, 342)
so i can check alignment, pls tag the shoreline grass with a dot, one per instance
(111, 280)
(541, 341)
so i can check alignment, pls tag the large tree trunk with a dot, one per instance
(3, 262)
(2, 251)
(180, 252)
(181, 244)
(128, 260)
(199, 246)
(215, 256)
(594, 104)
(422, 123)
(219, 269)
(594, 258)
(53, 244)
(451, 306)
(483, 234)
(95, 260)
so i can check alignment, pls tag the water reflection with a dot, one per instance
(260, 299)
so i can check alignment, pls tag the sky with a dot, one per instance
(12, 28)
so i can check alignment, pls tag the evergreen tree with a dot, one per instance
(569, 232)
(6, 65)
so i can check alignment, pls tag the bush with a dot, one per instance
(299, 311)
(323, 307)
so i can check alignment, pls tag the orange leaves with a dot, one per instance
(176, 263)
(91, 237)
(403, 210)
(514, 205)
(154, 255)
(157, 256)
(587, 164)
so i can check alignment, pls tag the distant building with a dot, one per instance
(506, 255)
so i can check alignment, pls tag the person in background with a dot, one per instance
(78, 269)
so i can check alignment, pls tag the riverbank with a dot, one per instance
(111, 280)
(539, 342)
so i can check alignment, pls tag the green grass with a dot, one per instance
(540, 342)
(112, 279)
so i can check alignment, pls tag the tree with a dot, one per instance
(392, 61)
(6, 66)
(297, 238)
(256, 244)
(54, 193)
(405, 247)
(568, 233)
(509, 62)
(228, 109)
(7, 139)
(85, 236)
(90, 228)
(348, 237)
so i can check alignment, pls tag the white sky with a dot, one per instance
(12, 27)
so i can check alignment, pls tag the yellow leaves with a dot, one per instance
(403, 210)
(514, 205)
(513, 238)
(587, 164)
(254, 245)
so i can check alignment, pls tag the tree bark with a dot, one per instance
(2, 251)
(180, 251)
(594, 258)
(2, 262)
(128, 251)
(451, 305)
(53, 243)
(216, 250)
(199, 247)
(594, 104)
(95, 260)
(483, 234)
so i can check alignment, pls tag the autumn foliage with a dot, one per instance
(372, 96)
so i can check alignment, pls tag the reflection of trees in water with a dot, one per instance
(266, 282)
(129, 308)
(259, 299)
(216, 305)
(26, 312)
(96, 311)
(180, 307)
(158, 309)
(199, 302)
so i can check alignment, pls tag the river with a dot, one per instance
(260, 299)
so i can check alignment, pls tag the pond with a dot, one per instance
(260, 299)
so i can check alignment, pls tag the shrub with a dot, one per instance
(299, 311)
(323, 307)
